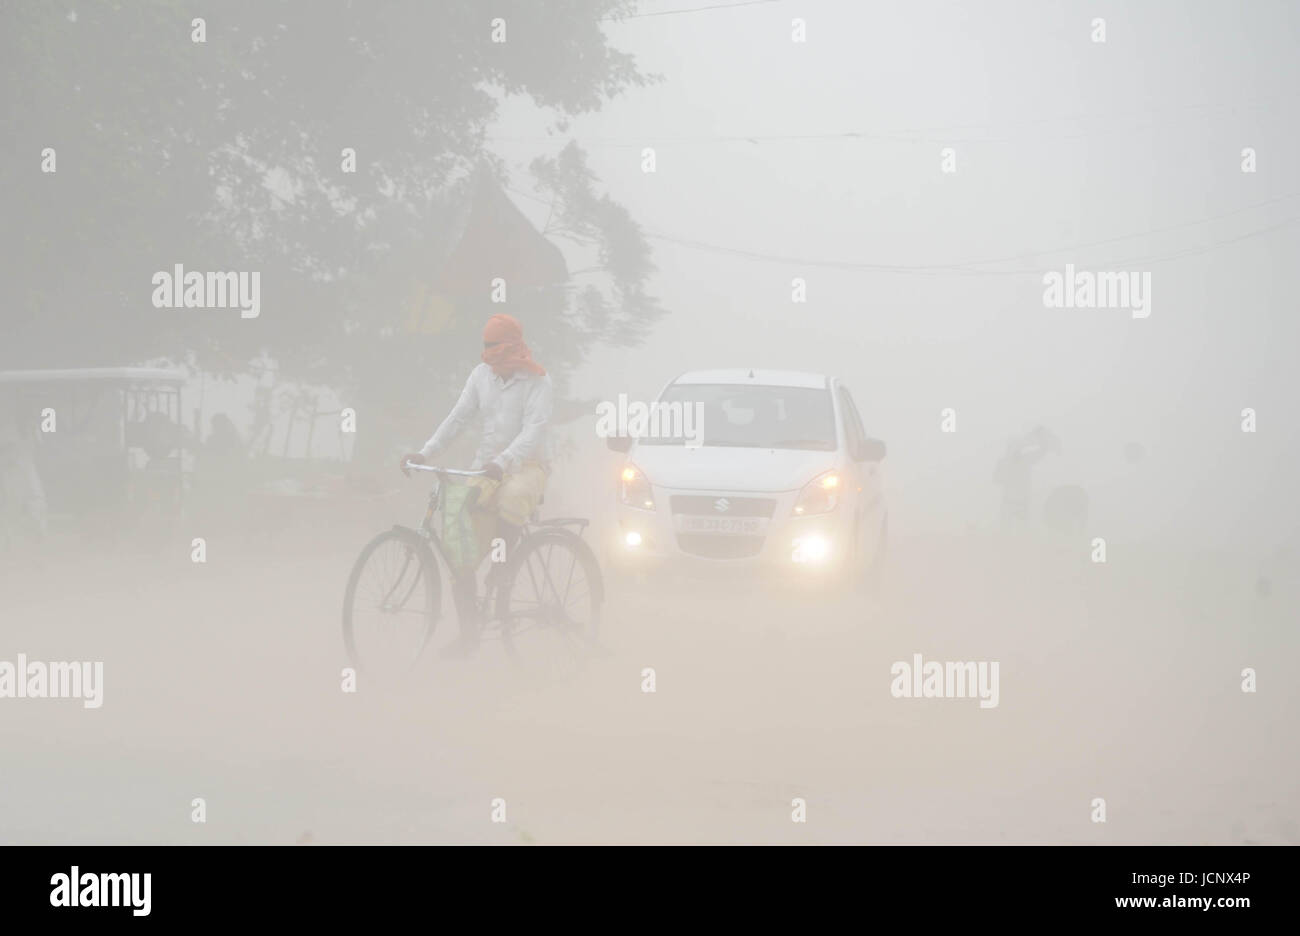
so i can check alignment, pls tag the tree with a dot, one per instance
(228, 154)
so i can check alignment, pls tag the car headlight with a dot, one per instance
(810, 550)
(820, 495)
(634, 490)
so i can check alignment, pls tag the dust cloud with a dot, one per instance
(1018, 436)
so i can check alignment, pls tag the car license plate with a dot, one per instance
(726, 526)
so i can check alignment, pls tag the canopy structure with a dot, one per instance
(495, 240)
(86, 438)
(499, 241)
(118, 375)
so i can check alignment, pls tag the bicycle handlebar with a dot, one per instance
(452, 472)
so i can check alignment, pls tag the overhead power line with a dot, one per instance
(971, 267)
(702, 9)
(1123, 237)
(957, 269)
(1153, 117)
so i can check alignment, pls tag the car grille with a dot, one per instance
(706, 505)
(720, 547)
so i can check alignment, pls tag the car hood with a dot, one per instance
(727, 468)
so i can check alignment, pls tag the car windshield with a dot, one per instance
(749, 416)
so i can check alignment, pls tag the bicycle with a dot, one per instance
(549, 585)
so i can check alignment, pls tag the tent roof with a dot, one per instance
(90, 374)
(498, 240)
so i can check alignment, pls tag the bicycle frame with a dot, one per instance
(435, 496)
(495, 607)
(428, 532)
(435, 500)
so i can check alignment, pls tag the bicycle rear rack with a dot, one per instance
(580, 522)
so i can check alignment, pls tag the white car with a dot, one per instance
(782, 476)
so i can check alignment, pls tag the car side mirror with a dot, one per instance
(619, 443)
(871, 450)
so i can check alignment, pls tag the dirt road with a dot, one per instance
(222, 681)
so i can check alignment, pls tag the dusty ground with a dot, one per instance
(223, 681)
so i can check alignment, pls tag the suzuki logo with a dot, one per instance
(721, 505)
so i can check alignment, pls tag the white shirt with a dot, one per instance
(515, 412)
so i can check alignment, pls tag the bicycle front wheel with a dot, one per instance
(392, 602)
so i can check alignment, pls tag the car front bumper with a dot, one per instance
(740, 531)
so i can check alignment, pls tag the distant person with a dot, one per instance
(1014, 470)
(22, 496)
(223, 442)
(155, 434)
(1065, 511)
(513, 394)
(221, 467)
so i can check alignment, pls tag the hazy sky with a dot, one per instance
(1059, 141)
(822, 160)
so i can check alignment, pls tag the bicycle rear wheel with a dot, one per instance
(550, 591)
(392, 602)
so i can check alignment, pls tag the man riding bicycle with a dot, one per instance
(513, 394)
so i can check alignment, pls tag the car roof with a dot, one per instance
(768, 378)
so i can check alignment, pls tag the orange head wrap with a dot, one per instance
(504, 348)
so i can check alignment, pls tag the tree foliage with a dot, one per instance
(226, 155)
